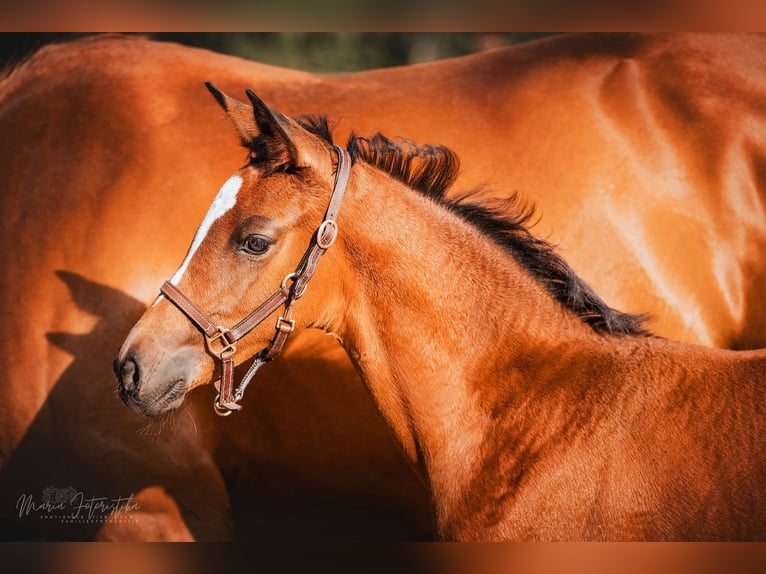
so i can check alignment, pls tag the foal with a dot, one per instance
(534, 410)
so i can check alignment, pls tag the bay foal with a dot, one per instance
(634, 147)
(534, 410)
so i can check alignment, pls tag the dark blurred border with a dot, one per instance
(424, 558)
(381, 15)
(55, 18)
(326, 52)
(260, 558)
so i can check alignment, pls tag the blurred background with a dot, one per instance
(324, 52)
(348, 558)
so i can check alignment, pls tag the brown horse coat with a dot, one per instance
(112, 150)
(535, 411)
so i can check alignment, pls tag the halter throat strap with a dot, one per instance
(222, 342)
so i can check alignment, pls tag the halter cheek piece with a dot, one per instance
(222, 342)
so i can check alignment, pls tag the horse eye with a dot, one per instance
(257, 244)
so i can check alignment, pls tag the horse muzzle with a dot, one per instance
(153, 385)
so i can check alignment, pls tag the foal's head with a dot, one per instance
(254, 235)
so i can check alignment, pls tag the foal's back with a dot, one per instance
(708, 428)
(648, 439)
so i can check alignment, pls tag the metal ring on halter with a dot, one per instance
(222, 336)
(219, 409)
(289, 277)
(325, 237)
(325, 243)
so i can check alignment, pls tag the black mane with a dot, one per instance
(431, 170)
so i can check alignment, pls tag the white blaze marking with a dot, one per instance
(223, 202)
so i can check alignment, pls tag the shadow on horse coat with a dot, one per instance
(535, 411)
(643, 153)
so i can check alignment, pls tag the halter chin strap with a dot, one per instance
(222, 342)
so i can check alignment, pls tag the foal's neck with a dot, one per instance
(442, 325)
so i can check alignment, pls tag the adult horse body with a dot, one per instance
(535, 410)
(652, 144)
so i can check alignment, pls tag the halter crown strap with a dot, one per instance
(222, 341)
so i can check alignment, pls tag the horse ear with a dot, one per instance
(275, 133)
(240, 114)
(259, 127)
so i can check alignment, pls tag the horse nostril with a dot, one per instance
(128, 374)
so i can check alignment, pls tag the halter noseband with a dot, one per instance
(222, 342)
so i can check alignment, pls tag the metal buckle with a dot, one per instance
(326, 224)
(289, 325)
(224, 410)
(219, 409)
(289, 277)
(222, 335)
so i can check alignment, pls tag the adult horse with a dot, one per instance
(535, 411)
(111, 148)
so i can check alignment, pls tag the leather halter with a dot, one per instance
(222, 342)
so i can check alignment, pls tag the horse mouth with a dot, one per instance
(170, 400)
